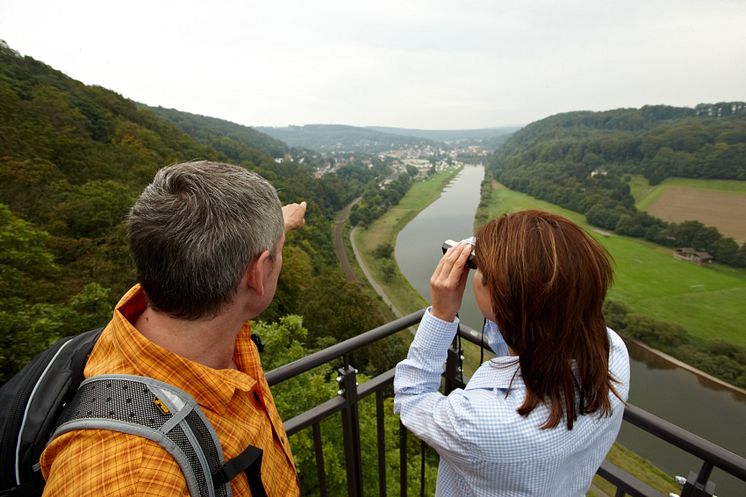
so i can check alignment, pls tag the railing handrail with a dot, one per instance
(667, 431)
(708, 451)
(335, 404)
(338, 350)
(686, 440)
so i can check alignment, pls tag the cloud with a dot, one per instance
(429, 64)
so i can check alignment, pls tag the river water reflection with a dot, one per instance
(666, 390)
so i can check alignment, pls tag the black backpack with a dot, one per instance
(49, 397)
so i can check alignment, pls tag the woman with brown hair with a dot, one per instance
(539, 418)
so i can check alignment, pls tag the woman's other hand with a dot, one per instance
(448, 282)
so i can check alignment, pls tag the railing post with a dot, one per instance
(423, 446)
(380, 429)
(402, 460)
(349, 395)
(454, 370)
(318, 449)
(347, 380)
(697, 485)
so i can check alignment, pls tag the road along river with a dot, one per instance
(703, 407)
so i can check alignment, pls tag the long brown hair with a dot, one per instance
(547, 280)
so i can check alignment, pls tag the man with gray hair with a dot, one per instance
(206, 239)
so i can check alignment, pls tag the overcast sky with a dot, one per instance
(424, 64)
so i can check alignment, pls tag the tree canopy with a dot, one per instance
(73, 158)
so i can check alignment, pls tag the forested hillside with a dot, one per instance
(584, 161)
(72, 160)
(487, 137)
(235, 141)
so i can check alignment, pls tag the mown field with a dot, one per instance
(709, 301)
(719, 203)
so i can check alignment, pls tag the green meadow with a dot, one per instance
(645, 194)
(385, 229)
(708, 301)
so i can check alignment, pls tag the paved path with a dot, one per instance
(370, 278)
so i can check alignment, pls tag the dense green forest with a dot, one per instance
(72, 160)
(376, 201)
(235, 141)
(584, 161)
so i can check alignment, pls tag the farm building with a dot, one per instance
(691, 255)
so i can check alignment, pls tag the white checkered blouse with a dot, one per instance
(486, 448)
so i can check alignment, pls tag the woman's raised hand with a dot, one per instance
(448, 282)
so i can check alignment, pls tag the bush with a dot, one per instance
(615, 314)
(723, 360)
(388, 269)
(656, 333)
(384, 251)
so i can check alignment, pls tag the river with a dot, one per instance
(670, 392)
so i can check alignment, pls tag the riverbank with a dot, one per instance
(371, 280)
(652, 283)
(385, 230)
(720, 384)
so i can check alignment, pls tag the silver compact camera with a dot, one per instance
(471, 240)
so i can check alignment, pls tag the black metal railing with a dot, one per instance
(350, 394)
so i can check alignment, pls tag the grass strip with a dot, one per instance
(707, 301)
(385, 230)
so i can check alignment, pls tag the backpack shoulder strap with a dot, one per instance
(250, 462)
(169, 416)
(157, 411)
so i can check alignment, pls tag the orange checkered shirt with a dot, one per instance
(238, 403)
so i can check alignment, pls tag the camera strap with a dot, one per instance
(460, 351)
(481, 342)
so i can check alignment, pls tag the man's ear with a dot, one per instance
(255, 273)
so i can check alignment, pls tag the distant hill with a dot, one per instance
(659, 141)
(584, 161)
(342, 138)
(232, 139)
(484, 136)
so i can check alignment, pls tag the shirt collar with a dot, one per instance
(500, 372)
(211, 388)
